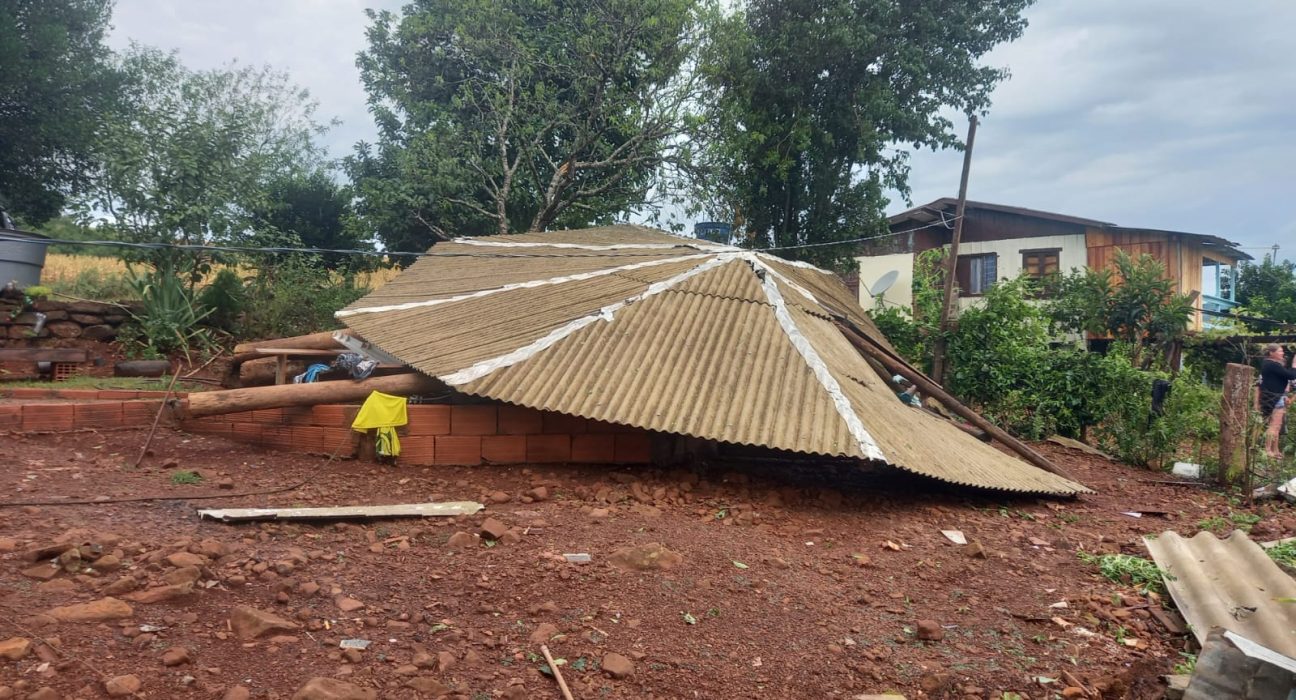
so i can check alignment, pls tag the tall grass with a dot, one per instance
(106, 279)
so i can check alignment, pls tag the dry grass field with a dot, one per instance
(65, 272)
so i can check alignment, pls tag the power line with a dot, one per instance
(280, 250)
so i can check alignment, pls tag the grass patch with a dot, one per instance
(122, 383)
(186, 477)
(1129, 569)
(1284, 554)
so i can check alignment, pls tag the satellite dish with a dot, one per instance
(884, 283)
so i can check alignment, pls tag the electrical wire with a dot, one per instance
(202, 247)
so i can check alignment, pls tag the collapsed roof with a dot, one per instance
(635, 326)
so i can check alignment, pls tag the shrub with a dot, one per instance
(224, 299)
(294, 298)
(96, 284)
(167, 319)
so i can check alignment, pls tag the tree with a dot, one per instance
(1136, 303)
(519, 115)
(191, 156)
(56, 85)
(810, 97)
(1269, 289)
(312, 210)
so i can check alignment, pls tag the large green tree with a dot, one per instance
(518, 115)
(192, 156)
(311, 209)
(1268, 289)
(811, 98)
(56, 84)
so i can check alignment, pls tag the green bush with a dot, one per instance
(95, 284)
(167, 318)
(224, 299)
(295, 297)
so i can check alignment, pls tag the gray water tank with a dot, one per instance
(22, 257)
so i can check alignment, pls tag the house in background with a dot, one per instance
(1001, 242)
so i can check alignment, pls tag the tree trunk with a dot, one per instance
(213, 403)
(314, 341)
(1235, 413)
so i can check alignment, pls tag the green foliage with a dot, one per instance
(293, 297)
(1130, 432)
(66, 228)
(1268, 289)
(498, 116)
(1129, 569)
(314, 212)
(1284, 553)
(808, 99)
(186, 476)
(1136, 303)
(224, 299)
(56, 87)
(167, 319)
(190, 156)
(912, 333)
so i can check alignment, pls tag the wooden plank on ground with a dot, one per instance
(407, 510)
(44, 355)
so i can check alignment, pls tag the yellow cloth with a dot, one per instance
(382, 412)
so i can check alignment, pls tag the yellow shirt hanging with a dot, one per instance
(384, 413)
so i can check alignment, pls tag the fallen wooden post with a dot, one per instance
(409, 510)
(214, 403)
(312, 341)
(895, 365)
(562, 684)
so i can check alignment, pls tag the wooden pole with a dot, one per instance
(562, 684)
(895, 365)
(313, 341)
(1235, 413)
(951, 264)
(212, 403)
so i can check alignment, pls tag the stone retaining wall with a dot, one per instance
(91, 320)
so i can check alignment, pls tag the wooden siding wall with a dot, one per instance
(1182, 260)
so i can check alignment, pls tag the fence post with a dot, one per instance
(1235, 412)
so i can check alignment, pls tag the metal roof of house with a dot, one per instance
(1229, 583)
(942, 209)
(638, 327)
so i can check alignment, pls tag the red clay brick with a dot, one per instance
(242, 417)
(473, 420)
(277, 436)
(36, 416)
(161, 394)
(593, 449)
(97, 415)
(117, 395)
(633, 448)
(268, 416)
(602, 427)
(139, 414)
(309, 439)
(428, 419)
(457, 449)
(208, 426)
(246, 432)
(519, 420)
(30, 393)
(562, 424)
(339, 440)
(548, 448)
(419, 449)
(333, 415)
(10, 417)
(504, 449)
(77, 394)
(297, 415)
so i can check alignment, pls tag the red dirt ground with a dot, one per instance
(785, 573)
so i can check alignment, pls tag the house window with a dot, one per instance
(977, 273)
(1040, 263)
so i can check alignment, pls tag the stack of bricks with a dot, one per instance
(443, 434)
(92, 409)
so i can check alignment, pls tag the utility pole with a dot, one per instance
(951, 264)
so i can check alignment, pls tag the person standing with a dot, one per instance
(1275, 378)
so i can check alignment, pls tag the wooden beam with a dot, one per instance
(44, 355)
(1235, 413)
(213, 403)
(313, 341)
(895, 365)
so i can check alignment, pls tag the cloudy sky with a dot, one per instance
(1173, 114)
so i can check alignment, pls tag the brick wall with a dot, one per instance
(82, 409)
(442, 434)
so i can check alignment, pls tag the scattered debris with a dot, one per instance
(409, 510)
(955, 536)
(1232, 666)
(360, 644)
(580, 558)
(1187, 470)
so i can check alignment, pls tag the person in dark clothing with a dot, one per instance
(1275, 379)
